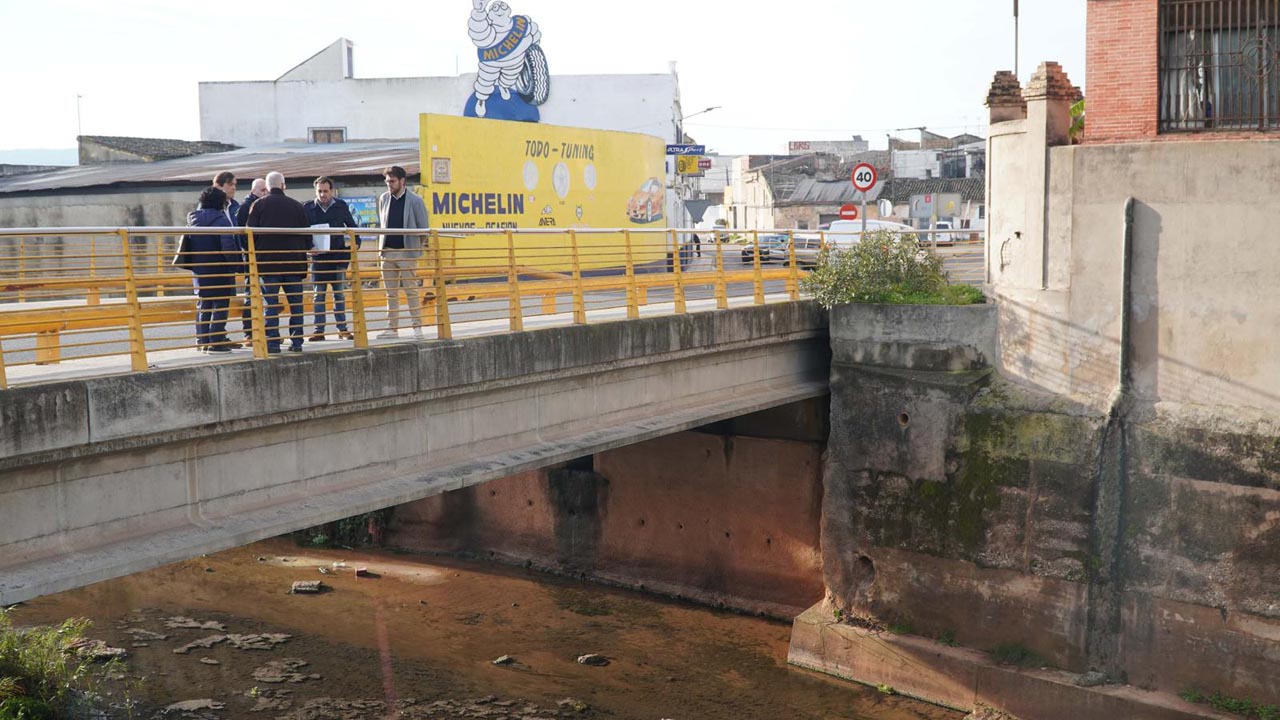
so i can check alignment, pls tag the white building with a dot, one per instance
(322, 101)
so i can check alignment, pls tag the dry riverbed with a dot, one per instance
(221, 637)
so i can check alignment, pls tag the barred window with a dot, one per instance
(1219, 68)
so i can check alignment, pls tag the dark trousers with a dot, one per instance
(331, 277)
(291, 286)
(246, 313)
(211, 309)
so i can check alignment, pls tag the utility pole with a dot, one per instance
(1015, 38)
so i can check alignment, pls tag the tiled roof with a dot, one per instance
(157, 148)
(900, 190)
(295, 160)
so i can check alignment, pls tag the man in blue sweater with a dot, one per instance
(329, 268)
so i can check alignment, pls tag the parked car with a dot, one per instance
(940, 237)
(773, 248)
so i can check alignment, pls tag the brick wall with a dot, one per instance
(1122, 52)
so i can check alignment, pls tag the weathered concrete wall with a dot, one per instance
(723, 519)
(1202, 247)
(956, 502)
(111, 475)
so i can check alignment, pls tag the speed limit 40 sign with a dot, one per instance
(864, 177)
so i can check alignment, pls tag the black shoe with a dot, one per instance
(273, 349)
(295, 348)
(218, 349)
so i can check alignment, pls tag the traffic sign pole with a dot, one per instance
(864, 179)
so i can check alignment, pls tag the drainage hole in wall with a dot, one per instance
(530, 502)
(726, 533)
(768, 541)
(493, 493)
(680, 526)
(641, 522)
(904, 419)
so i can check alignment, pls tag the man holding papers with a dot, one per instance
(330, 256)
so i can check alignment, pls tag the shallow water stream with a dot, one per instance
(417, 640)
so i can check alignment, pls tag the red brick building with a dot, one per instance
(1182, 69)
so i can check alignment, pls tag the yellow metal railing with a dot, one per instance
(85, 294)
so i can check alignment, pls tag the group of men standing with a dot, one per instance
(284, 259)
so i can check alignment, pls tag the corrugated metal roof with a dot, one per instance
(295, 160)
(828, 192)
(157, 148)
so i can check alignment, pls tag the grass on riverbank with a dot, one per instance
(42, 677)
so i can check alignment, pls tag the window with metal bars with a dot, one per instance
(1219, 65)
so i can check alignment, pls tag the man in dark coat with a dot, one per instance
(282, 259)
(329, 268)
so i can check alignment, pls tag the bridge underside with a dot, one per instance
(111, 476)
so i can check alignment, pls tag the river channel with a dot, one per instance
(418, 637)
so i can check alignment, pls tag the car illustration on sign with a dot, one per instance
(645, 206)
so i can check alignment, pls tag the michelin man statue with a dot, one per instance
(504, 43)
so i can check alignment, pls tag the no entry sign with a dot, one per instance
(849, 212)
(864, 177)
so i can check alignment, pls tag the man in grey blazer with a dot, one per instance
(399, 208)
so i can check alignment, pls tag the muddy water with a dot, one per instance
(418, 641)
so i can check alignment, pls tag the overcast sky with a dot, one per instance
(808, 70)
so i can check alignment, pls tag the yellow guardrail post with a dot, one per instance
(793, 279)
(579, 301)
(256, 315)
(160, 265)
(722, 291)
(93, 297)
(4, 379)
(444, 330)
(633, 305)
(359, 323)
(137, 341)
(513, 285)
(677, 266)
(22, 266)
(758, 278)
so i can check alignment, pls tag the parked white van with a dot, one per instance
(842, 235)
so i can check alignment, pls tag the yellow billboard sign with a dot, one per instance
(688, 164)
(480, 174)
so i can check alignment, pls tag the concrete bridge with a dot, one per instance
(108, 476)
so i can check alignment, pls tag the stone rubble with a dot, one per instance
(284, 670)
(179, 622)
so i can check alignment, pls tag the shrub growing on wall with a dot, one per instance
(885, 267)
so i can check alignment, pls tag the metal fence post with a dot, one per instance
(137, 341)
(4, 380)
(444, 330)
(633, 307)
(579, 301)
(513, 286)
(359, 322)
(22, 267)
(256, 302)
(677, 266)
(722, 291)
(759, 272)
(159, 266)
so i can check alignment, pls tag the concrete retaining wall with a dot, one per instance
(958, 504)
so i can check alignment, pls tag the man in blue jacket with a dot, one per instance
(329, 269)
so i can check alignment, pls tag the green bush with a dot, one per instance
(885, 267)
(41, 675)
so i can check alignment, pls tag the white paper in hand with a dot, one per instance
(320, 242)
